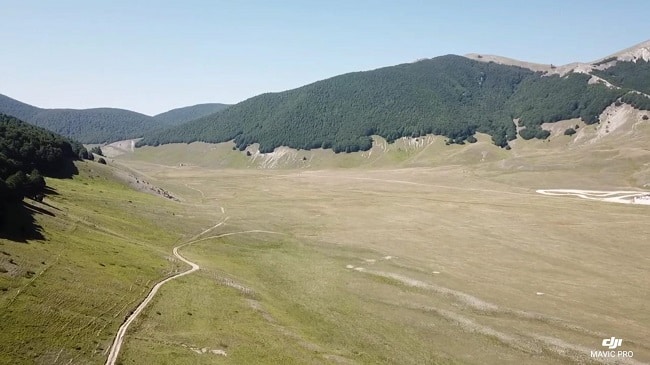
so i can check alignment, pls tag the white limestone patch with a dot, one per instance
(205, 350)
(219, 352)
(624, 197)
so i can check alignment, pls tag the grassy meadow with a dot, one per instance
(441, 265)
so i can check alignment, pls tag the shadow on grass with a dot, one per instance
(36, 209)
(17, 222)
(50, 191)
(17, 219)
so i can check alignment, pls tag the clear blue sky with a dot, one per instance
(151, 56)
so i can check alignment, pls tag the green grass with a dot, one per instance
(63, 297)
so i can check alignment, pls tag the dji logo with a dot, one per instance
(612, 343)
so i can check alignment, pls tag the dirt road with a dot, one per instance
(119, 337)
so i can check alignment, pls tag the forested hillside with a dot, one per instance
(181, 115)
(95, 125)
(27, 153)
(450, 95)
(101, 125)
(631, 75)
(84, 125)
(15, 108)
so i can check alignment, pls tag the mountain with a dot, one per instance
(85, 125)
(100, 125)
(453, 96)
(181, 115)
(17, 108)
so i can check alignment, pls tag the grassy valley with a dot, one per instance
(409, 265)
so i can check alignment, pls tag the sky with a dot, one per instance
(152, 56)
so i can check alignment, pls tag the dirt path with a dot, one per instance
(119, 337)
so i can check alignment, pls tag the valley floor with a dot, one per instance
(414, 265)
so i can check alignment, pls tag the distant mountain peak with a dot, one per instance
(639, 52)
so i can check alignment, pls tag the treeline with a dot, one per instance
(450, 95)
(27, 153)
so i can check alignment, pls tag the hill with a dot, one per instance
(100, 125)
(450, 95)
(26, 154)
(85, 125)
(181, 115)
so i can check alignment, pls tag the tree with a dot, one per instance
(102, 161)
(17, 186)
(35, 184)
(569, 132)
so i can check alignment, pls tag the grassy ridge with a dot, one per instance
(105, 245)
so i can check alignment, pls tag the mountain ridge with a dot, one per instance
(431, 95)
(638, 52)
(104, 124)
(449, 95)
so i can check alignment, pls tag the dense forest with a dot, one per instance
(101, 125)
(450, 95)
(630, 75)
(27, 154)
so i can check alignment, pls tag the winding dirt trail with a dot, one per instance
(119, 337)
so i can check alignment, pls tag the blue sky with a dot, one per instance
(151, 56)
